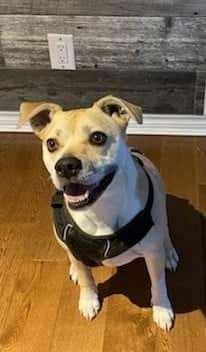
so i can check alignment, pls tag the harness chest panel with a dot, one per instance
(91, 250)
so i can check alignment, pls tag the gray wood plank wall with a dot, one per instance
(158, 61)
(105, 7)
(160, 92)
(107, 43)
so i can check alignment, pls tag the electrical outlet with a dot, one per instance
(61, 51)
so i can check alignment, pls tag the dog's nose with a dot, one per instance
(68, 167)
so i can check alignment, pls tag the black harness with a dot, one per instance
(91, 250)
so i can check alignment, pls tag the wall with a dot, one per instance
(151, 52)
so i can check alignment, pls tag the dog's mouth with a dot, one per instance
(79, 194)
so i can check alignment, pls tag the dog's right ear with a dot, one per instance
(38, 114)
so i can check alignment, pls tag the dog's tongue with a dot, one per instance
(75, 189)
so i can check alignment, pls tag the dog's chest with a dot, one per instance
(104, 216)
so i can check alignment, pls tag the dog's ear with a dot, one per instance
(38, 114)
(120, 109)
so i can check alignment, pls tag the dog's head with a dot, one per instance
(81, 148)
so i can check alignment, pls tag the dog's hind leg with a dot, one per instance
(89, 304)
(172, 258)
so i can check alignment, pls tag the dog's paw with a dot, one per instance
(89, 304)
(73, 274)
(172, 258)
(163, 317)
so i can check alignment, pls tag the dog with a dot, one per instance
(106, 192)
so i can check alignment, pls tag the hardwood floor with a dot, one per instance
(38, 304)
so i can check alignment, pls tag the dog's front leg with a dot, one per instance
(88, 302)
(162, 311)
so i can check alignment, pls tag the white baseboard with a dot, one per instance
(153, 124)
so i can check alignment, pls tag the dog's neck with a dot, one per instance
(120, 202)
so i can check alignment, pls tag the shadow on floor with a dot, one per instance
(186, 285)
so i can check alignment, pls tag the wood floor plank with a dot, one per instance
(73, 332)
(26, 195)
(31, 316)
(24, 179)
(178, 167)
(10, 260)
(129, 325)
(201, 160)
(186, 286)
(151, 146)
(202, 204)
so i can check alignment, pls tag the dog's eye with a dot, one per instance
(52, 144)
(98, 138)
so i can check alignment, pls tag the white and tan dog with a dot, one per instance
(93, 140)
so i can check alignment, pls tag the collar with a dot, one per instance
(93, 250)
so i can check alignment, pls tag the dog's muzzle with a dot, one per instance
(79, 194)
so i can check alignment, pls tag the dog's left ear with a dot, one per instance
(119, 108)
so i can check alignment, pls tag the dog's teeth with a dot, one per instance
(77, 199)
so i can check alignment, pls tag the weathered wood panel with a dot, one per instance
(105, 8)
(200, 92)
(156, 92)
(113, 43)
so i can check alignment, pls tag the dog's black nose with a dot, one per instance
(68, 167)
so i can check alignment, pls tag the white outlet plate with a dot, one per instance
(61, 51)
